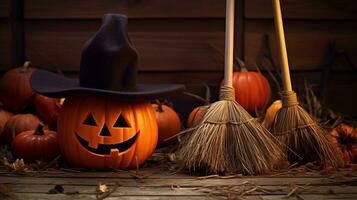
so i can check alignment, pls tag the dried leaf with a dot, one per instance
(102, 188)
(5, 189)
(19, 165)
(104, 192)
(58, 189)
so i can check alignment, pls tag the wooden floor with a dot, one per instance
(151, 183)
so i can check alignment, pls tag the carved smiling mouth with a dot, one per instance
(105, 149)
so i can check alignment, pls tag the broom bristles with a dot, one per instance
(304, 139)
(229, 140)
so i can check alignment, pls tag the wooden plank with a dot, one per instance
(303, 9)
(163, 197)
(189, 182)
(239, 29)
(5, 45)
(186, 191)
(339, 82)
(17, 32)
(169, 45)
(4, 8)
(143, 173)
(306, 40)
(66, 9)
(158, 173)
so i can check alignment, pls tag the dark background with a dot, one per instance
(180, 40)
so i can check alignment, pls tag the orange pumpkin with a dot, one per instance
(196, 115)
(15, 89)
(4, 117)
(271, 112)
(252, 90)
(47, 108)
(344, 137)
(36, 145)
(103, 133)
(168, 122)
(18, 124)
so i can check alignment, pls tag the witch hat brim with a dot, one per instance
(54, 85)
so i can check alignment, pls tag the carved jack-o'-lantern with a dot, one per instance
(102, 132)
(107, 120)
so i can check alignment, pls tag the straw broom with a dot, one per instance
(304, 139)
(228, 139)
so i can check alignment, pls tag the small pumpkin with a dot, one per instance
(17, 124)
(271, 112)
(196, 115)
(252, 90)
(15, 89)
(4, 117)
(47, 108)
(102, 132)
(168, 121)
(36, 145)
(344, 137)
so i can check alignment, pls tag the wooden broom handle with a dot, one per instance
(282, 45)
(229, 45)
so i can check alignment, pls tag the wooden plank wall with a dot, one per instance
(309, 27)
(180, 40)
(5, 34)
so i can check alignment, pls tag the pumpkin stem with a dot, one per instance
(39, 129)
(159, 106)
(25, 67)
(239, 65)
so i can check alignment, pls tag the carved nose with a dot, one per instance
(105, 131)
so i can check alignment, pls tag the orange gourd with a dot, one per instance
(271, 112)
(168, 122)
(36, 145)
(4, 117)
(100, 132)
(15, 89)
(47, 108)
(196, 115)
(18, 124)
(344, 137)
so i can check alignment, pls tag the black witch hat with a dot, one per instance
(108, 66)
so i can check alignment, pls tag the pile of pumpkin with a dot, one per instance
(23, 130)
(22, 115)
(28, 120)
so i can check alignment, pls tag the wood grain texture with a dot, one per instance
(84, 9)
(306, 40)
(4, 8)
(303, 9)
(170, 187)
(163, 197)
(168, 45)
(5, 44)
(17, 33)
(189, 182)
(185, 191)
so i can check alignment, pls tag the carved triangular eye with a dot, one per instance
(121, 122)
(90, 120)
